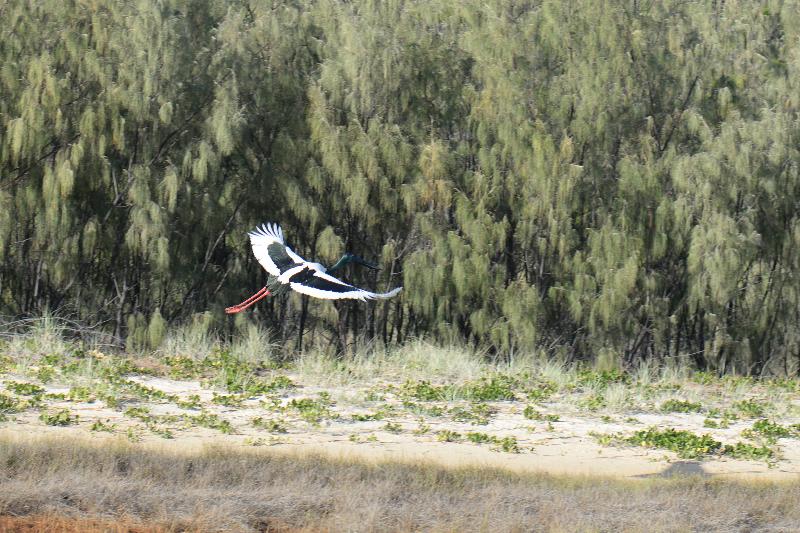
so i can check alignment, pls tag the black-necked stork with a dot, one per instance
(287, 270)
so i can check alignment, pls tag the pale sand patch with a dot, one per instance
(563, 447)
(577, 458)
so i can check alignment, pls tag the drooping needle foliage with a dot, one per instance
(600, 179)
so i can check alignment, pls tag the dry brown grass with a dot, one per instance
(255, 490)
(64, 524)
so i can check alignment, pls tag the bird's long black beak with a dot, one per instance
(367, 264)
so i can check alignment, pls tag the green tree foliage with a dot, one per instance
(612, 180)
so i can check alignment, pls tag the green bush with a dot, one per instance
(685, 443)
(680, 406)
(61, 417)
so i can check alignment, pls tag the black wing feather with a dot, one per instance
(277, 252)
(308, 278)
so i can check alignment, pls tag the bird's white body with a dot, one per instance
(286, 276)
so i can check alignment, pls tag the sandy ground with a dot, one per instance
(563, 447)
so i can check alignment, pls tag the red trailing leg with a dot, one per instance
(247, 303)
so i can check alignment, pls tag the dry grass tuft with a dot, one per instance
(415, 360)
(223, 489)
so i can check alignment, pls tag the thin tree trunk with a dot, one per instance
(303, 312)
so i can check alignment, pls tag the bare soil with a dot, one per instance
(567, 446)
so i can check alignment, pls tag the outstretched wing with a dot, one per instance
(318, 284)
(270, 250)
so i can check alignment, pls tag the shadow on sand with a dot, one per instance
(680, 469)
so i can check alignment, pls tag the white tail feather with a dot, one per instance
(386, 295)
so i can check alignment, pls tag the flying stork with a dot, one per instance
(287, 270)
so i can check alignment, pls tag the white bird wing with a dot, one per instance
(318, 284)
(271, 251)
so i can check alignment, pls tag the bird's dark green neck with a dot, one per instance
(340, 263)
(350, 258)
